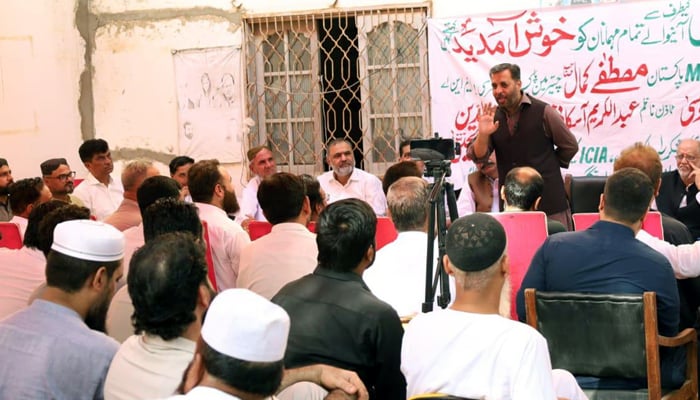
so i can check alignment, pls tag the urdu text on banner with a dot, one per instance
(618, 73)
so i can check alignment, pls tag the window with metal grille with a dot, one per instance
(360, 75)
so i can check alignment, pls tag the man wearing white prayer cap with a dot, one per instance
(53, 348)
(240, 354)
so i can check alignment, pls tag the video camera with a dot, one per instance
(436, 153)
(435, 149)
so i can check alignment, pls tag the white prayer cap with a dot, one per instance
(246, 326)
(89, 240)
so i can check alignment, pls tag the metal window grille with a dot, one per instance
(360, 75)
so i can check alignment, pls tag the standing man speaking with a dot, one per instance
(524, 131)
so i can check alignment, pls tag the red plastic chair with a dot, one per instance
(526, 231)
(258, 229)
(311, 226)
(386, 232)
(652, 222)
(210, 260)
(10, 236)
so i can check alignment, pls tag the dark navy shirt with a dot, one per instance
(336, 320)
(606, 258)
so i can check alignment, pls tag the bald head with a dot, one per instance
(523, 188)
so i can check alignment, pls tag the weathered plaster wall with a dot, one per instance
(41, 56)
(75, 69)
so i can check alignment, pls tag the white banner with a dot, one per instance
(618, 73)
(209, 103)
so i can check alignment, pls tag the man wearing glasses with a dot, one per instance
(58, 177)
(678, 192)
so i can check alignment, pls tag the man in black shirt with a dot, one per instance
(335, 319)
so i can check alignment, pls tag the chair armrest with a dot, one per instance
(686, 336)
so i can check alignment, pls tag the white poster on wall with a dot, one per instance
(209, 103)
(618, 73)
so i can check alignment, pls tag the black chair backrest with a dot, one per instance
(585, 193)
(594, 334)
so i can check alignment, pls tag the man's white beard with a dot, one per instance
(504, 302)
(343, 171)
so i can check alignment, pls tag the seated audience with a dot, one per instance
(25, 194)
(99, 191)
(127, 214)
(55, 348)
(240, 354)
(522, 191)
(469, 350)
(60, 180)
(336, 320)
(289, 251)
(606, 258)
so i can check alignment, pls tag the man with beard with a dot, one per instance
(59, 178)
(99, 192)
(336, 319)
(524, 131)
(5, 182)
(262, 164)
(344, 181)
(480, 191)
(53, 349)
(678, 193)
(213, 194)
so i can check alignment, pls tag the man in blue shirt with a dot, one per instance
(606, 258)
(53, 349)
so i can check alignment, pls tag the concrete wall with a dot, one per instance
(75, 69)
(41, 59)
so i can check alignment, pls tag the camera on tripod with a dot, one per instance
(437, 153)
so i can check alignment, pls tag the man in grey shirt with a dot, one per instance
(54, 348)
